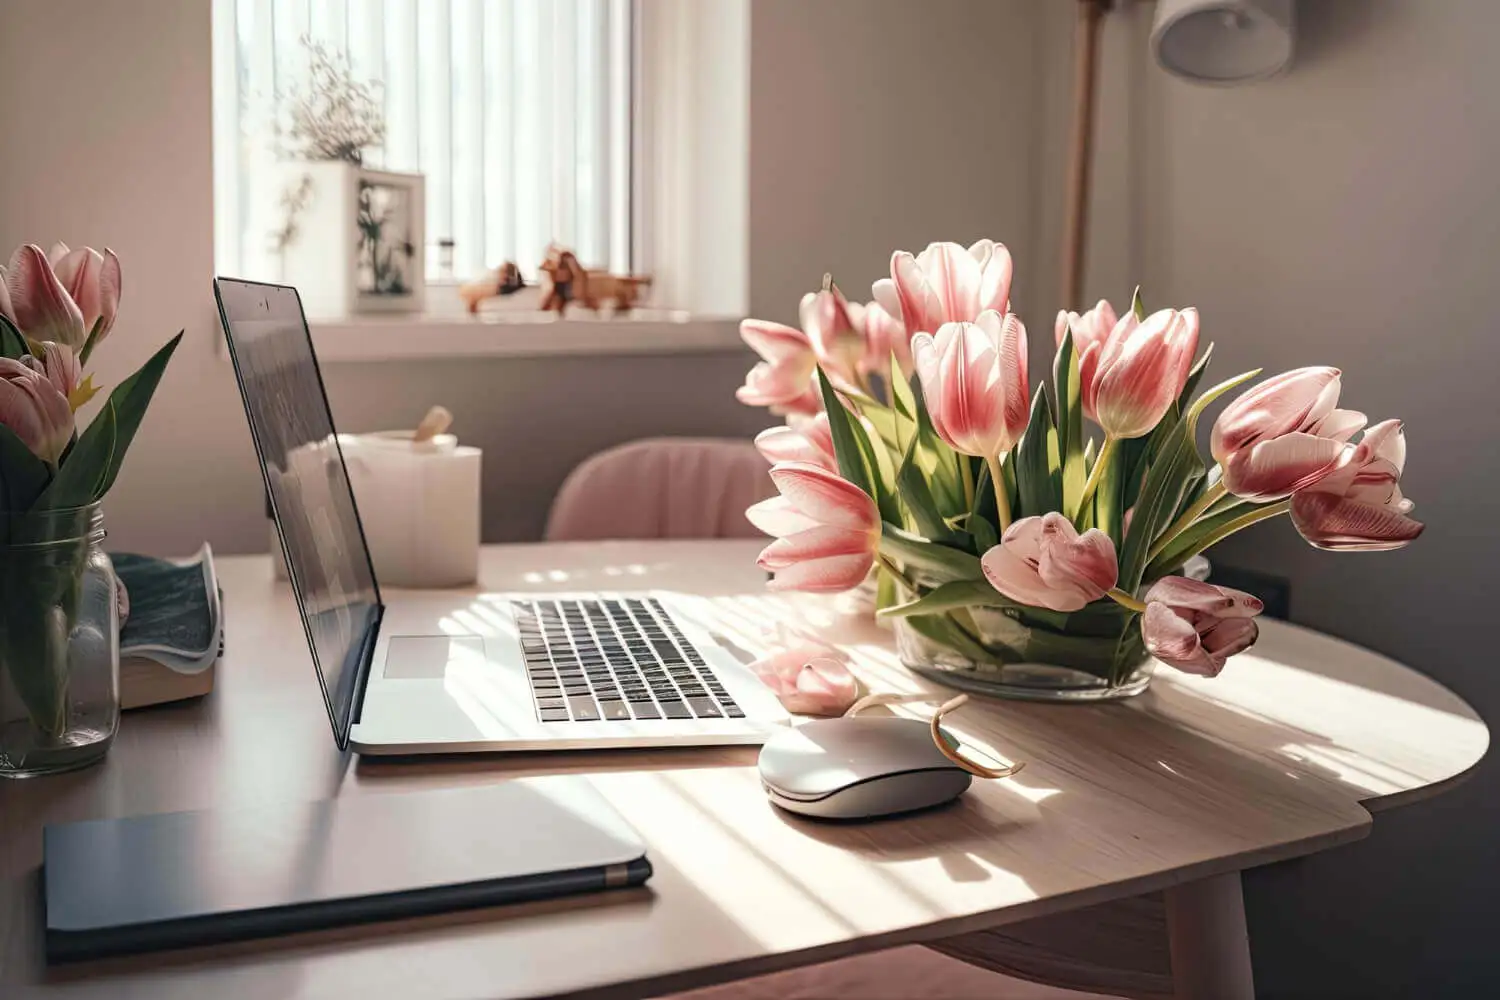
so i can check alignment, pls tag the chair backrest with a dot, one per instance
(662, 488)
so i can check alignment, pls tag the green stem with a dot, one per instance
(1097, 473)
(967, 474)
(1125, 600)
(894, 570)
(1171, 558)
(1002, 495)
(1210, 496)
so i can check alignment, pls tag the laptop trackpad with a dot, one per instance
(427, 657)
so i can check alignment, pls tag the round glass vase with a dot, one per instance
(59, 642)
(1094, 654)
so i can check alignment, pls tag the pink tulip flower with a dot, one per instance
(809, 679)
(885, 336)
(1044, 562)
(803, 439)
(1359, 506)
(975, 382)
(947, 284)
(827, 530)
(1141, 370)
(60, 365)
(1090, 332)
(34, 410)
(92, 280)
(784, 379)
(39, 304)
(1196, 626)
(1283, 435)
(835, 328)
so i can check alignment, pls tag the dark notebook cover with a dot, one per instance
(176, 879)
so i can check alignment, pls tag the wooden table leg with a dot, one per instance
(1210, 945)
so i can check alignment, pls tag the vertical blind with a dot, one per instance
(517, 112)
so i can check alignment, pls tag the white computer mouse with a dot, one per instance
(858, 767)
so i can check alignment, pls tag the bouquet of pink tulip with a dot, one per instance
(54, 312)
(1017, 552)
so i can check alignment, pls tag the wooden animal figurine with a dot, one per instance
(506, 280)
(566, 281)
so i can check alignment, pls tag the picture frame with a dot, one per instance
(352, 239)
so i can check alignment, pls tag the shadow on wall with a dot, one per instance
(1325, 26)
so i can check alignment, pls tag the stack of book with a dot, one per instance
(172, 632)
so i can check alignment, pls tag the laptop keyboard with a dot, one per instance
(615, 660)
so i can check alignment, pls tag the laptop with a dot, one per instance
(448, 671)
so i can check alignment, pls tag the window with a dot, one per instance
(518, 113)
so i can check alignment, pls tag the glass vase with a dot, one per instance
(59, 642)
(1034, 654)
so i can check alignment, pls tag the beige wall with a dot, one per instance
(1348, 214)
(855, 150)
(106, 121)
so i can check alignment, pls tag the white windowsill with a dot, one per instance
(519, 335)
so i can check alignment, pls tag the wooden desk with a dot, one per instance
(1288, 753)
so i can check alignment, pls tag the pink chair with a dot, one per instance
(662, 488)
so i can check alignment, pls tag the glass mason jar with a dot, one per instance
(59, 642)
(1094, 654)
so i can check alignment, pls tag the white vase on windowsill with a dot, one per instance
(351, 239)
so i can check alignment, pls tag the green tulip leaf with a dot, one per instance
(936, 460)
(957, 594)
(1069, 424)
(12, 343)
(23, 475)
(129, 401)
(1038, 471)
(80, 479)
(931, 561)
(845, 445)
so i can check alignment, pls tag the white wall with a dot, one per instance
(1348, 214)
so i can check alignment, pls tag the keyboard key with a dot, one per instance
(613, 709)
(545, 703)
(583, 708)
(675, 709)
(734, 711)
(647, 711)
(554, 714)
(704, 708)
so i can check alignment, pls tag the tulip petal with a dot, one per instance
(1279, 405)
(823, 686)
(1281, 466)
(818, 542)
(1340, 425)
(1196, 595)
(1173, 640)
(995, 274)
(954, 275)
(775, 341)
(777, 516)
(43, 309)
(1340, 524)
(1228, 637)
(824, 576)
(825, 497)
(1017, 578)
(921, 309)
(1085, 561)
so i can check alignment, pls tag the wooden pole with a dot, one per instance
(1081, 149)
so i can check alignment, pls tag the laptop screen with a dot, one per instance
(308, 485)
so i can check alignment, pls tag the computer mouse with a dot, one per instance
(858, 767)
